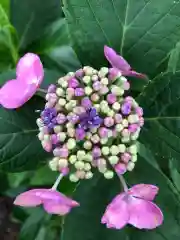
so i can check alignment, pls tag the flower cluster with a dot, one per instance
(88, 122)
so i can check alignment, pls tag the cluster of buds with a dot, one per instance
(89, 121)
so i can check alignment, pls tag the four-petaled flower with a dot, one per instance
(53, 201)
(134, 207)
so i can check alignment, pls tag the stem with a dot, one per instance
(123, 182)
(42, 90)
(54, 187)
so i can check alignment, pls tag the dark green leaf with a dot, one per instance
(5, 5)
(31, 226)
(144, 31)
(54, 48)
(84, 222)
(20, 148)
(161, 133)
(31, 17)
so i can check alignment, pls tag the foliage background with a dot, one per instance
(66, 35)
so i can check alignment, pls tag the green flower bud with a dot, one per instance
(60, 92)
(88, 175)
(86, 79)
(88, 90)
(88, 157)
(113, 160)
(122, 148)
(87, 145)
(134, 136)
(53, 164)
(63, 163)
(72, 159)
(134, 118)
(71, 143)
(114, 150)
(103, 72)
(130, 166)
(116, 106)
(79, 165)
(125, 139)
(105, 81)
(87, 167)
(103, 141)
(61, 136)
(109, 174)
(73, 178)
(58, 129)
(134, 158)
(62, 101)
(133, 149)
(119, 127)
(125, 123)
(105, 150)
(81, 155)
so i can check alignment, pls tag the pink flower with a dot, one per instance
(134, 207)
(29, 75)
(118, 62)
(53, 201)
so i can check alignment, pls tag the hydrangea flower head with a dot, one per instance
(89, 121)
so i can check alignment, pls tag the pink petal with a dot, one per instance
(56, 208)
(132, 73)
(14, 94)
(28, 199)
(116, 60)
(144, 214)
(30, 69)
(116, 214)
(144, 191)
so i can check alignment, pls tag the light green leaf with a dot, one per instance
(8, 42)
(20, 148)
(31, 17)
(94, 195)
(143, 31)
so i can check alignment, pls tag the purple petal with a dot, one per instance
(132, 73)
(144, 191)
(80, 134)
(92, 113)
(116, 60)
(144, 214)
(56, 208)
(97, 120)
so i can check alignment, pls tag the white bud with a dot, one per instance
(79, 165)
(122, 148)
(88, 157)
(119, 127)
(125, 139)
(105, 150)
(103, 141)
(111, 113)
(41, 136)
(113, 160)
(97, 106)
(130, 166)
(134, 158)
(86, 79)
(81, 154)
(114, 150)
(58, 129)
(88, 175)
(134, 136)
(94, 78)
(71, 143)
(133, 149)
(53, 164)
(73, 178)
(60, 92)
(123, 79)
(88, 90)
(125, 123)
(80, 174)
(103, 72)
(63, 163)
(109, 174)
(134, 118)
(87, 145)
(95, 138)
(39, 122)
(61, 136)
(117, 90)
(116, 106)
(62, 101)
(105, 81)
(102, 166)
(47, 137)
(72, 159)
(87, 167)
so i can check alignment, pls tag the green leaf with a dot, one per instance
(144, 32)
(31, 17)
(5, 5)
(94, 195)
(161, 133)
(175, 173)
(31, 226)
(20, 148)
(174, 59)
(55, 50)
(8, 42)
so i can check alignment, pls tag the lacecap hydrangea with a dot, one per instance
(90, 121)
